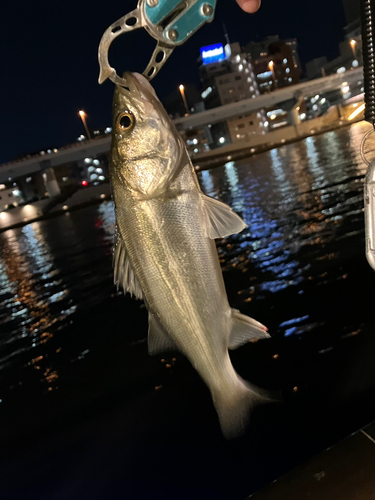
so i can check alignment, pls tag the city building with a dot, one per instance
(350, 57)
(350, 49)
(23, 186)
(353, 30)
(227, 77)
(315, 68)
(276, 63)
(10, 196)
(91, 170)
(255, 50)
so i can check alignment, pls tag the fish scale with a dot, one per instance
(165, 236)
(174, 256)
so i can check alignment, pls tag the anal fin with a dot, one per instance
(158, 338)
(245, 329)
(220, 220)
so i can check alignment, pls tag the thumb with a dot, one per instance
(249, 5)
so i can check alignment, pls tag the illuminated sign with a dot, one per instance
(213, 53)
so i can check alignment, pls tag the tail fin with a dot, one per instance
(234, 407)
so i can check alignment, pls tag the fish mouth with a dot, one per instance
(136, 84)
(130, 82)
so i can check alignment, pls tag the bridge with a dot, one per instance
(267, 101)
(101, 145)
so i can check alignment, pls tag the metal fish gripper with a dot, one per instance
(170, 22)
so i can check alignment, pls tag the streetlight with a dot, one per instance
(182, 92)
(353, 44)
(271, 66)
(82, 114)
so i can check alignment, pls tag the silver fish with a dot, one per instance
(165, 251)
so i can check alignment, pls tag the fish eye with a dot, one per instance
(125, 121)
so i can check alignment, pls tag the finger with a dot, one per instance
(249, 5)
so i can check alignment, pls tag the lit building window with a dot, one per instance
(206, 92)
(345, 88)
(266, 74)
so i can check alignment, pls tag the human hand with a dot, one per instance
(249, 5)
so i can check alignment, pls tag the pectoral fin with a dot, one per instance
(245, 329)
(219, 219)
(158, 338)
(123, 273)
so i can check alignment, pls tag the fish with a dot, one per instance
(165, 252)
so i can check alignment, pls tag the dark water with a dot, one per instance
(85, 410)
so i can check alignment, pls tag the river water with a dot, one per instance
(73, 351)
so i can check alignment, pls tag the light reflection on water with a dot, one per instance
(299, 201)
(46, 273)
(295, 199)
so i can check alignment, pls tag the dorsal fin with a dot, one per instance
(219, 219)
(123, 273)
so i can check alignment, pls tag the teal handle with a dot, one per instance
(186, 22)
(156, 14)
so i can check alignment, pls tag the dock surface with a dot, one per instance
(345, 472)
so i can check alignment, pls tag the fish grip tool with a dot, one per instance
(368, 44)
(170, 22)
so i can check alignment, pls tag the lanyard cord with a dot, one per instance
(368, 44)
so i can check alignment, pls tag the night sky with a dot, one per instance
(50, 68)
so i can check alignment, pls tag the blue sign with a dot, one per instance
(213, 53)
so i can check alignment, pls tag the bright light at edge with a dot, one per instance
(357, 112)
